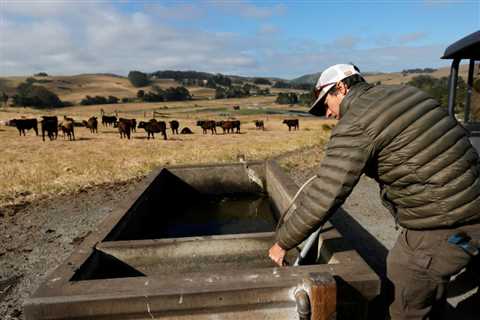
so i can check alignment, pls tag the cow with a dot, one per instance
(292, 123)
(227, 126)
(124, 127)
(207, 125)
(154, 126)
(50, 125)
(259, 124)
(186, 130)
(108, 120)
(92, 124)
(236, 125)
(23, 125)
(236, 107)
(174, 124)
(67, 128)
(133, 123)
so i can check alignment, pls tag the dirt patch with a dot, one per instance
(38, 237)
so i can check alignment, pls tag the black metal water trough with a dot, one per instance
(192, 243)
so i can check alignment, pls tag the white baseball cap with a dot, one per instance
(326, 81)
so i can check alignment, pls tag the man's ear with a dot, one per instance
(342, 88)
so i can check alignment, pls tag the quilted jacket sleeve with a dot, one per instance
(346, 156)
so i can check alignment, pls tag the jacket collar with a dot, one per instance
(355, 91)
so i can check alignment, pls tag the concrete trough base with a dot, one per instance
(127, 270)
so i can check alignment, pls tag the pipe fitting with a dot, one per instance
(303, 304)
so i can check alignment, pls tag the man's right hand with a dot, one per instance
(277, 254)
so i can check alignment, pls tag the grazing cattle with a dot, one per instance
(154, 126)
(124, 127)
(227, 126)
(236, 125)
(259, 124)
(174, 124)
(50, 125)
(186, 130)
(68, 119)
(91, 124)
(23, 125)
(132, 122)
(67, 128)
(207, 125)
(108, 121)
(292, 123)
(236, 107)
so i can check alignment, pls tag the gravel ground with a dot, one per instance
(36, 238)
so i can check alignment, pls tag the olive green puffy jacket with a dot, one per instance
(427, 169)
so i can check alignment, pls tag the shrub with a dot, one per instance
(35, 96)
(138, 79)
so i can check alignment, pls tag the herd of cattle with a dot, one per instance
(51, 126)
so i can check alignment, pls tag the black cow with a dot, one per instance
(50, 125)
(23, 125)
(259, 124)
(207, 125)
(91, 124)
(174, 124)
(133, 123)
(154, 126)
(292, 123)
(236, 125)
(124, 127)
(108, 121)
(186, 130)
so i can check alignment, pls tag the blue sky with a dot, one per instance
(253, 38)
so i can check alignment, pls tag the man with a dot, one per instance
(429, 176)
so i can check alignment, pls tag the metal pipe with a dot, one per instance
(303, 304)
(452, 87)
(468, 96)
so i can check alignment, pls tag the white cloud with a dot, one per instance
(100, 38)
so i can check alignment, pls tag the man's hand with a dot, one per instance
(277, 254)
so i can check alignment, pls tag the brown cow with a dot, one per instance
(292, 123)
(91, 124)
(154, 126)
(207, 125)
(67, 128)
(50, 125)
(259, 124)
(133, 123)
(24, 124)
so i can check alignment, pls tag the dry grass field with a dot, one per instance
(31, 169)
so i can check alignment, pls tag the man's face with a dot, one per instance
(333, 101)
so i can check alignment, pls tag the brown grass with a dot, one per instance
(30, 168)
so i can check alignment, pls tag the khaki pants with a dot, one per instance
(420, 266)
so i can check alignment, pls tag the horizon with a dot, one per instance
(245, 38)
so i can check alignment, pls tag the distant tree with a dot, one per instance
(138, 79)
(112, 99)
(35, 96)
(281, 85)
(262, 81)
(438, 88)
(222, 80)
(140, 94)
(211, 84)
(307, 98)
(4, 99)
(41, 74)
(287, 98)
